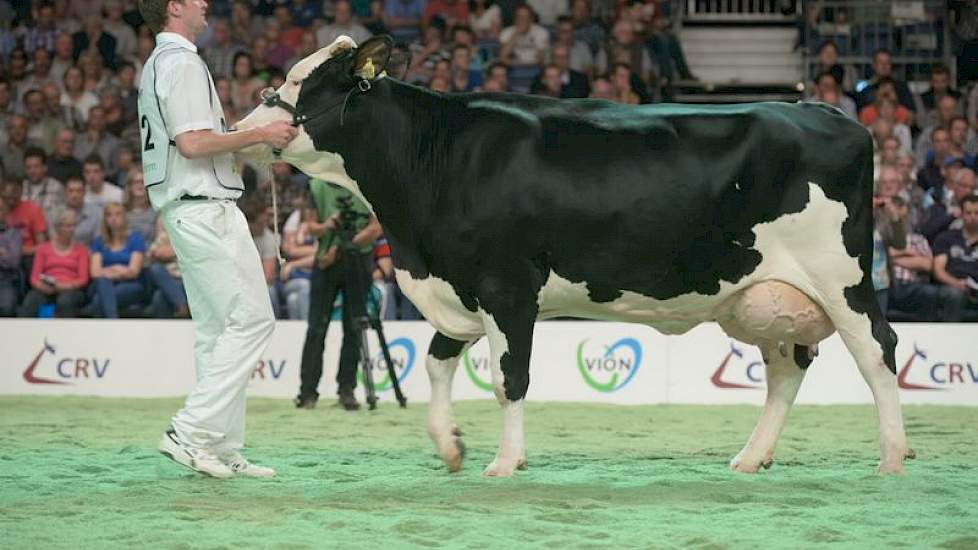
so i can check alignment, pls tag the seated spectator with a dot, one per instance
(117, 264)
(74, 95)
(403, 18)
(42, 125)
(580, 57)
(373, 20)
(97, 79)
(931, 175)
(139, 212)
(26, 217)
(464, 79)
(244, 26)
(290, 34)
(426, 53)
(62, 58)
(885, 95)
(93, 40)
(256, 213)
(629, 88)
(278, 53)
(910, 288)
(43, 190)
(169, 298)
(62, 162)
(453, 12)
(602, 88)
(98, 191)
(304, 12)
(525, 42)
(667, 55)
(883, 71)
(343, 24)
(60, 272)
(96, 140)
(586, 27)
(828, 91)
(88, 216)
(625, 47)
(548, 83)
(11, 246)
(120, 30)
(38, 77)
(307, 47)
(244, 84)
(497, 75)
(945, 112)
(956, 262)
(12, 152)
(940, 87)
(963, 140)
(945, 213)
(485, 20)
(827, 61)
(299, 247)
(66, 115)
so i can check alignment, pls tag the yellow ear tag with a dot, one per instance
(368, 69)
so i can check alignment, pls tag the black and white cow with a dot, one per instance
(504, 209)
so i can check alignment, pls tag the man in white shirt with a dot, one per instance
(98, 191)
(191, 180)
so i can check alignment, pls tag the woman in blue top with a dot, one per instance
(117, 264)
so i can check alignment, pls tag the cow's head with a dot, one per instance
(313, 97)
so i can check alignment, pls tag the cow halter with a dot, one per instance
(271, 98)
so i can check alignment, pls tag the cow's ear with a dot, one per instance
(372, 57)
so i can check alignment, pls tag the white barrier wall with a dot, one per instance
(572, 361)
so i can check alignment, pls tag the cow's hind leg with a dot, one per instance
(443, 356)
(872, 344)
(786, 325)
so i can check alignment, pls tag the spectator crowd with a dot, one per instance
(79, 238)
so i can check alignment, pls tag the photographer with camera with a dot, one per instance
(346, 231)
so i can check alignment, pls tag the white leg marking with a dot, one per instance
(510, 454)
(441, 423)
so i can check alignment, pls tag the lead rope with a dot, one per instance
(278, 239)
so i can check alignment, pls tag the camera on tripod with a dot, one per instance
(357, 291)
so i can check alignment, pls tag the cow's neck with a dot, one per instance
(394, 149)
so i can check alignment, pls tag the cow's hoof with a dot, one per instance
(910, 454)
(750, 466)
(891, 468)
(456, 431)
(499, 468)
(522, 465)
(453, 457)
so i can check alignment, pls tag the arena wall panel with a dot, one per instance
(572, 361)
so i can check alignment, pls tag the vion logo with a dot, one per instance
(402, 358)
(944, 373)
(477, 369)
(611, 368)
(736, 357)
(66, 368)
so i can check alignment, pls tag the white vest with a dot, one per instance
(169, 175)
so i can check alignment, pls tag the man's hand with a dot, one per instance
(46, 288)
(329, 258)
(278, 134)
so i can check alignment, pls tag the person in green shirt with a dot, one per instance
(329, 276)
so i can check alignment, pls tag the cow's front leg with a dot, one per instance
(508, 318)
(443, 356)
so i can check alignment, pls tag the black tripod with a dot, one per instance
(357, 292)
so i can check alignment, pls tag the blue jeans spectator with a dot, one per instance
(296, 292)
(111, 295)
(169, 296)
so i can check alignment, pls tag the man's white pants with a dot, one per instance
(232, 316)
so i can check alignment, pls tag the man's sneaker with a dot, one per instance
(198, 460)
(240, 466)
(347, 400)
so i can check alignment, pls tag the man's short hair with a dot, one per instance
(94, 158)
(154, 13)
(881, 51)
(74, 178)
(35, 152)
(969, 199)
(940, 68)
